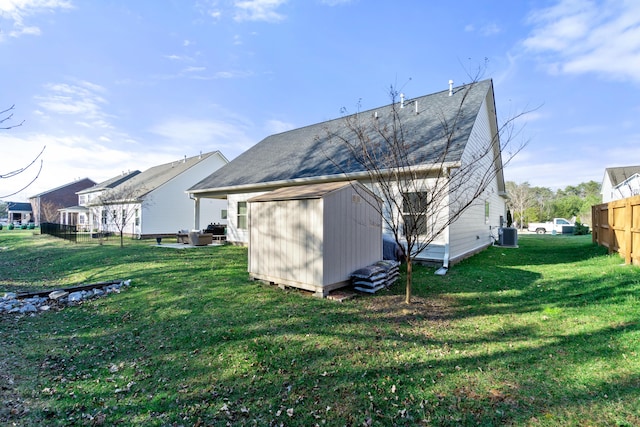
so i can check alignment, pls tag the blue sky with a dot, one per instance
(115, 85)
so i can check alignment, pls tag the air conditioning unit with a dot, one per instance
(508, 236)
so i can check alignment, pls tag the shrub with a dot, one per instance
(31, 226)
(580, 229)
(0, 226)
(23, 226)
(10, 227)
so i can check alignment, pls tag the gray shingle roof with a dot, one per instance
(619, 174)
(87, 181)
(310, 151)
(110, 183)
(154, 177)
(19, 206)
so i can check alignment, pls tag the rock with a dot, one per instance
(10, 303)
(28, 308)
(75, 297)
(113, 288)
(56, 295)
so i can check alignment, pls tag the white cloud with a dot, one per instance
(577, 36)
(220, 75)
(60, 161)
(82, 99)
(227, 135)
(194, 69)
(490, 30)
(335, 2)
(258, 10)
(278, 126)
(485, 30)
(16, 12)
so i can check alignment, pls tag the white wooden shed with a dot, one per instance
(313, 237)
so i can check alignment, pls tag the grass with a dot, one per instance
(547, 334)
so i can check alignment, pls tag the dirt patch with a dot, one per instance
(393, 308)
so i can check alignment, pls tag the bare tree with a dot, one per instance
(118, 209)
(49, 211)
(6, 116)
(520, 199)
(424, 180)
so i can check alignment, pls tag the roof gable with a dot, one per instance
(110, 183)
(81, 183)
(313, 151)
(618, 175)
(151, 179)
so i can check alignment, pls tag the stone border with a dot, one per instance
(13, 303)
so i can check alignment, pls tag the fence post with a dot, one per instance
(627, 230)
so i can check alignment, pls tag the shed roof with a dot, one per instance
(311, 191)
(312, 151)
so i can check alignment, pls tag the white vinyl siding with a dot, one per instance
(475, 230)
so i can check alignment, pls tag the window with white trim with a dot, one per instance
(242, 215)
(414, 212)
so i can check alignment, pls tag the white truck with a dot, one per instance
(554, 226)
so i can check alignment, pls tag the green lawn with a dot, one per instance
(544, 335)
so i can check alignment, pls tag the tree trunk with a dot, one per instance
(407, 298)
(121, 239)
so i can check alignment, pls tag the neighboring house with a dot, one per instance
(79, 215)
(155, 203)
(46, 205)
(19, 212)
(620, 183)
(309, 155)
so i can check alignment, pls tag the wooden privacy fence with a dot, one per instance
(616, 226)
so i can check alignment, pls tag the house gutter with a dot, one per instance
(272, 185)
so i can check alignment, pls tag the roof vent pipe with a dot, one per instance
(402, 100)
(416, 102)
(450, 87)
(185, 159)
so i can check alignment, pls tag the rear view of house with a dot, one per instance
(314, 155)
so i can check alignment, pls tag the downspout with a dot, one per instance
(445, 258)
